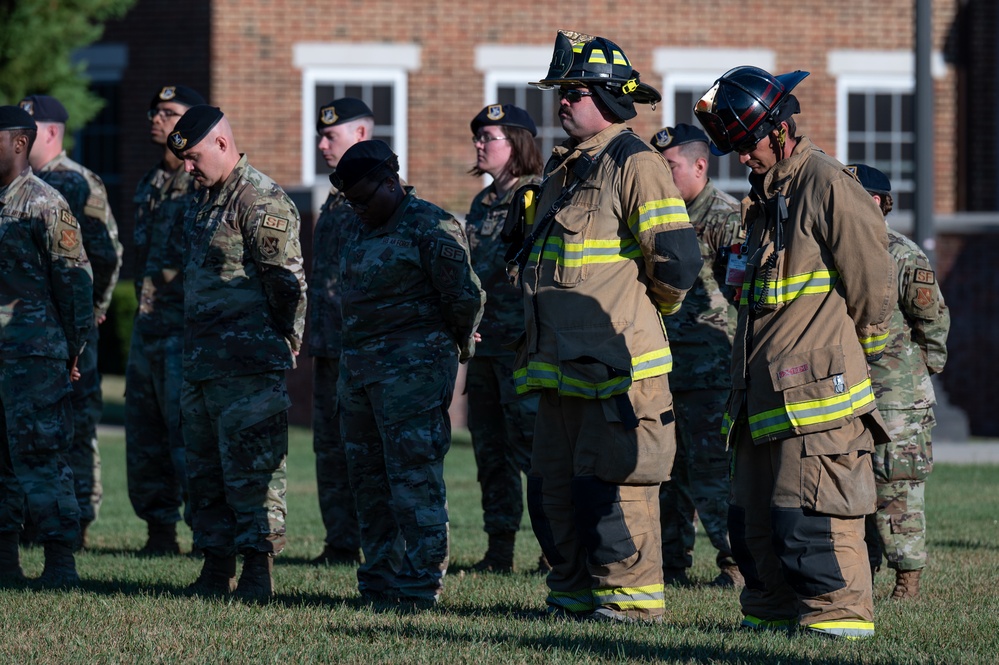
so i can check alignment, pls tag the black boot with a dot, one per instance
(499, 555)
(60, 566)
(256, 582)
(217, 578)
(10, 559)
(162, 540)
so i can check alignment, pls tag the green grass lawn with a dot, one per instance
(131, 610)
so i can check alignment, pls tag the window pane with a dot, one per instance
(684, 101)
(356, 91)
(382, 106)
(908, 113)
(882, 113)
(856, 152)
(882, 152)
(856, 119)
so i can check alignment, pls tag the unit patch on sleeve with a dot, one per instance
(69, 239)
(66, 217)
(276, 223)
(269, 247)
(924, 276)
(94, 201)
(924, 297)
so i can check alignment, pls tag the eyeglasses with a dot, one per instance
(573, 95)
(166, 114)
(486, 139)
(366, 201)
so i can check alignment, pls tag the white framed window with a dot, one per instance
(875, 119)
(687, 73)
(506, 73)
(378, 74)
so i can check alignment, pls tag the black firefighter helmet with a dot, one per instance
(595, 62)
(746, 104)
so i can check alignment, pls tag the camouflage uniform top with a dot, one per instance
(244, 285)
(700, 334)
(88, 200)
(331, 232)
(503, 318)
(161, 200)
(46, 287)
(917, 342)
(410, 298)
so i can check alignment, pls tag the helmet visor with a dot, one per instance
(713, 124)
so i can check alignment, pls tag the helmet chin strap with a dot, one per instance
(778, 142)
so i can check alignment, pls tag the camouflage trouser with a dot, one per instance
(336, 499)
(154, 443)
(396, 433)
(898, 528)
(502, 428)
(84, 457)
(699, 480)
(236, 433)
(36, 426)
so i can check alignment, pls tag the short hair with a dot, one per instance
(525, 157)
(30, 134)
(693, 150)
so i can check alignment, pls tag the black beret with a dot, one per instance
(192, 127)
(340, 111)
(44, 108)
(14, 117)
(872, 179)
(505, 115)
(669, 137)
(360, 160)
(180, 94)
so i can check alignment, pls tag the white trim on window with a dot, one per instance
(363, 63)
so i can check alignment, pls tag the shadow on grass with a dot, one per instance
(965, 544)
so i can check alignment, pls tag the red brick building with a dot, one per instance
(426, 68)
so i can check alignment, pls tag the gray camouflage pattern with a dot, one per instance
(154, 442)
(501, 422)
(397, 377)
(335, 224)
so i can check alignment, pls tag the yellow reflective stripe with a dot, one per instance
(652, 364)
(875, 343)
(547, 375)
(788, 289)
(749, 621)
(657, 213)
(574, 601)
(811, 412)
(847, 629)
(667, 310)
(619, 59)
(626, 598)
(588, 252)
(598, 56)
(726, 424)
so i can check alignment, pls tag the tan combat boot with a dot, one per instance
(10, 559)
(217, 578)
(906, 584)
(256, 582)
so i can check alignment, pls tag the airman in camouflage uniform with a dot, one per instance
(46, 291)
(88, 199)
(501, 421)
(916, 349)
(700, 336)
(244, 315)
(410, 305)
(154, 443)
(341, 124)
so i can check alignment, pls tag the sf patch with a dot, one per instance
(449, 268)
(66, 217)
(276, 223)
(924, 276)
